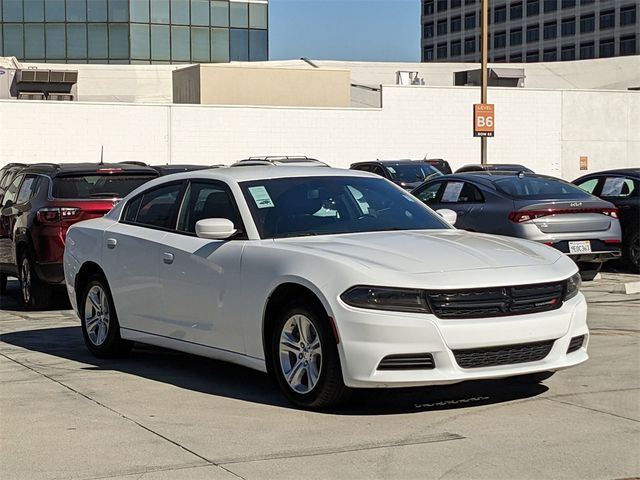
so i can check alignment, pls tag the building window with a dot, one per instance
(628, 45)
(533, 56)
(427, 8)
(442, 6)
(456, 3)
(239, 44)
(607, 48)
(550, 5)
(568, 52)
(628, 15)
(568, 3)
(549, 55)
(568, 27)
(428, 30)
(470, 45)
(515, 37)
(456, 48)
(586, 2)
(533, 33)
(515, 58)
(607, 19)
(587, 50)
(469, 2)
(500, 59)
(550, 30)
(442, 50)
(470, 21)
(500, 14)
(500, 39)
(442, 27)
(533, 8)
(515, 11)
(428, 53)
(587, 23)
(456, 24)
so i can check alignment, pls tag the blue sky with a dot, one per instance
(367, 30)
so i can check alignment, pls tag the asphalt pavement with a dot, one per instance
(164, 415)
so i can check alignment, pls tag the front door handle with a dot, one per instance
(111, 243)
(167, 258)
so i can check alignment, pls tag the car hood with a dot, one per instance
(421, 251)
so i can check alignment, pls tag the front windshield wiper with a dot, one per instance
(297, 234)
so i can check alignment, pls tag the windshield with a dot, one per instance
(98, 186)
(412, 172)
(538, 187)
(292, 207)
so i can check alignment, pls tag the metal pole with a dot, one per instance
(484, 55)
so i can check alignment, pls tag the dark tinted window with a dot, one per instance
(97, 185)
(27, 188)
(206, 200)
(12, 191)
(156, 207)
(429, 193)
(412, 172)
(538, 187)
(291, 207)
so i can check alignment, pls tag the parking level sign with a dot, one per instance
(483, 120)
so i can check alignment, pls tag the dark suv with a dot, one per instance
(406, 173)
(38, 207)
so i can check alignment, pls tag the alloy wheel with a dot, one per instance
(96, 315)
(300, 354)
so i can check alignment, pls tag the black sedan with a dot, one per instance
(622, 188)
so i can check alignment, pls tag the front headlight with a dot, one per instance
(383, 298)
(573, 286)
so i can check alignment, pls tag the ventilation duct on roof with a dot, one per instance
(498, 77)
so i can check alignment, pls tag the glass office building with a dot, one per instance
(134, 31)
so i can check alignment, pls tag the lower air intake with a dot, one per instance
(409, 361)
(503, 355)
(575, 344)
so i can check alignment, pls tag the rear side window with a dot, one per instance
(538, 187)
(618, 187)
(589, 185)
(155, 208)
(26, 189)
(98, 185)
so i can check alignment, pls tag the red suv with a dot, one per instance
(38, 207)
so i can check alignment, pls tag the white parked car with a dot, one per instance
(328, 279)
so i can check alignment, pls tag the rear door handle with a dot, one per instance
(111, 243)
(167, 258)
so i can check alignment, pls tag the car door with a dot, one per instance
(132, 257)
(201, 277)
(623, 192)
(8, 215)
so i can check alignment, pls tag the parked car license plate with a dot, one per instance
(583, 246)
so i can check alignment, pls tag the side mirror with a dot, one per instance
(449, 215)
(215, 228)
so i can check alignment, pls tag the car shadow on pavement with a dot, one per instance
(224, 379)
(12, 301)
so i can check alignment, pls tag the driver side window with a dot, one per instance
(206, 200)
(428, 195)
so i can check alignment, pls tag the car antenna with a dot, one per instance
(101, 154)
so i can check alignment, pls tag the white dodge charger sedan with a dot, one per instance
(328, 279)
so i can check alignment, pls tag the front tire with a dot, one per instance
(631, 251)
(35, 293)
(100, 327)
(304, 357)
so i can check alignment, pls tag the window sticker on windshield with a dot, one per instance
(452, 192)
(261, 197)
(612, 187)
(391, 169)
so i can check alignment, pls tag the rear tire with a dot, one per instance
(304, 357)
(35, 293)
(100, 326)
(533, 378)
(631, 251)
(3, 284)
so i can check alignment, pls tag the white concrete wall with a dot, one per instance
(547, 130)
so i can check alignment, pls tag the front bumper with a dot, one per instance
(368, 336)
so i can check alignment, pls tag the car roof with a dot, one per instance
(633, 172)
(252, 173)
(76, 168)
(489, 177)
(391, 162)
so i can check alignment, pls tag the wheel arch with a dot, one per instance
(279, 297)
(88, 270)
